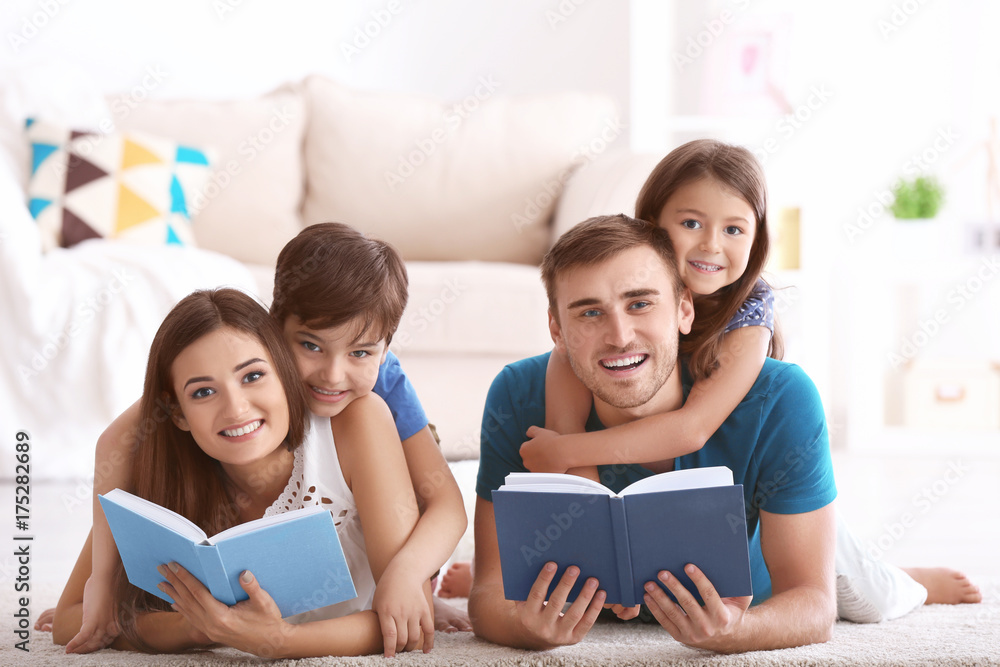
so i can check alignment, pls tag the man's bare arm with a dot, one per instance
(799, 550)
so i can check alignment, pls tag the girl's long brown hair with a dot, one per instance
(167, 466)
(736, 168)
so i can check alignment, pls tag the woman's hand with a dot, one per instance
(98, 627)
(403, 612)
(44, 621)
(254, 625)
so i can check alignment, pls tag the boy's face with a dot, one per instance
(335, 365)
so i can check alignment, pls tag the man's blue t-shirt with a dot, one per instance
(775, 442)
(397, 392)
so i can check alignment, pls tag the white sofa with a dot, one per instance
(471, 193)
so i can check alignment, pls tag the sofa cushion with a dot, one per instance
(473, 308)
(250, 206)
(463, 308)
(130, 185)
(477, 179)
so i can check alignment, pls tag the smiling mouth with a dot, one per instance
(326, 392)
(243, 430)
(624, 363)
(702, 266)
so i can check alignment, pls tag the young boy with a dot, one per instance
(325, 281)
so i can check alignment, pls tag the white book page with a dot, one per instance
(263, 522)
(157, 513)
(553, 482)
(692, 478)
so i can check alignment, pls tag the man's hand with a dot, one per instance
(254, 625)
(98, 627)
(545, 623)
(714, 626)
(402, 612)
(541, 452)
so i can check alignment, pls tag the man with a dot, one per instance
(613, 292)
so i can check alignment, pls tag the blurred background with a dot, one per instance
(896, 320)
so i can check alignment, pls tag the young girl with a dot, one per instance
(225, 413)
(330, 276)
(710, 197)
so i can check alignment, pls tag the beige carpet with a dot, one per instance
(933, 635)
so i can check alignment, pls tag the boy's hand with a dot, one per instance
(98, 627)
(403, 612)
(542, 452)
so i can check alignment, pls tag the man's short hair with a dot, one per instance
(331, 274)
(598, 239)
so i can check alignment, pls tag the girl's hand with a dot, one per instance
(98, 627)
(403, 612)
(254, 625)
(541, 452)
(624, 613)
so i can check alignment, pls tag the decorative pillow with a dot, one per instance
(250, 208)
(129, 186)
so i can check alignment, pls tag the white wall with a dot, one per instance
(899, 76)
(236, 48)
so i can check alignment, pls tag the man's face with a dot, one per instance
(618, 322)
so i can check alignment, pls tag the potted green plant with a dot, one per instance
(918, 234)
(917, 198)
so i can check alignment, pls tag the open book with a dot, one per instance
(662, 522)
(296, 556)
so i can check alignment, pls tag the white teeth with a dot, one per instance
(707, 267)
(325, 392)
(624, 361)
(243, 430)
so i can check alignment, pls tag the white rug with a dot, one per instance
(933, 635)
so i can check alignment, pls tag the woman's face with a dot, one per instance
(230, 397)
(712, 229)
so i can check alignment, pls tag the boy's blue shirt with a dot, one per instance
(398, 393)
(775, 442)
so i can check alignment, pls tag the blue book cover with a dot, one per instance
(659, 523)
(296, 556)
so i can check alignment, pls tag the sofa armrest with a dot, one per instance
(608, 185)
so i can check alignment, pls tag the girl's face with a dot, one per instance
(712, 229)
(231, 398)
(335, 365)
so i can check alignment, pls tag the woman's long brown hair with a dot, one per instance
(737, 169)
(168, 468)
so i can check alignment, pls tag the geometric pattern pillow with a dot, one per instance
(130, 186)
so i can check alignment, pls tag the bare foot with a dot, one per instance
(450, 619)
(944, 585)
(44, 622)
(456, 582)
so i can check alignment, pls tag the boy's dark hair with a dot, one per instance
(331, 274)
